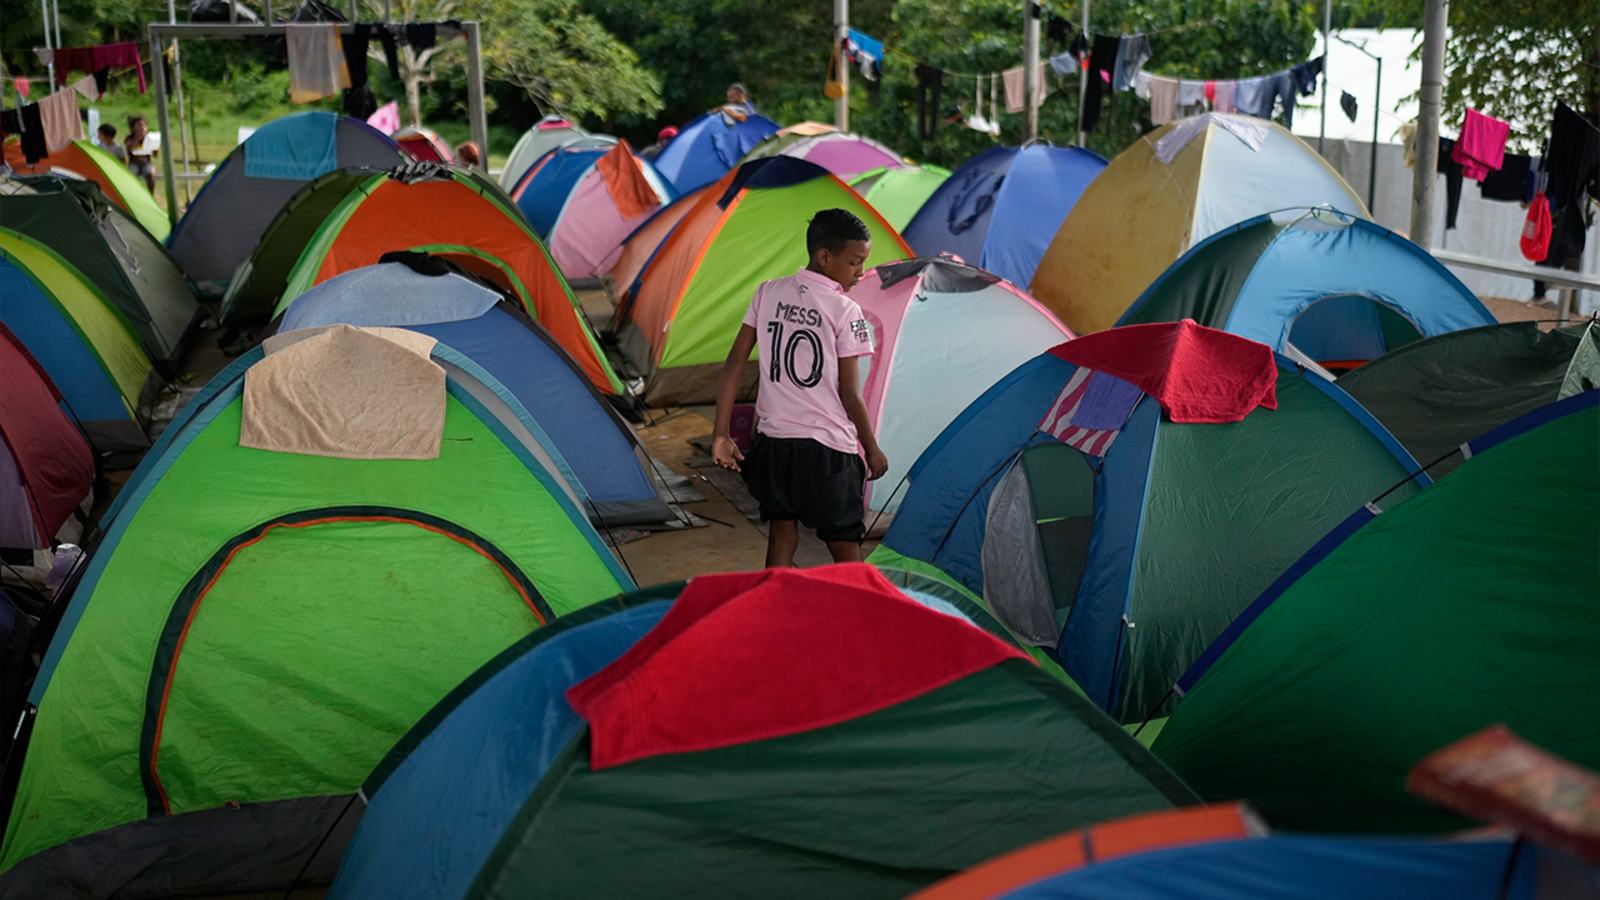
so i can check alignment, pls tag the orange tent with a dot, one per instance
(87, 161)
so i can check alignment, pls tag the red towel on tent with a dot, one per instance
(748, 656)
(1197, 374)
(625, 181)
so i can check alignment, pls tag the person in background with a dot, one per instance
(806, 465)
(739, 99)
(141, 162)
(663, 138)
(106, 140)
(467, 154)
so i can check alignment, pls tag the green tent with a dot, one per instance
(110, 248)
(898, 192)
(258, 626)
(1471, 604)
(781, 765)
(1436, 394)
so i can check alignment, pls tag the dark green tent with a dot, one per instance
(1440, 392)
(1471, 604)
(114, 252)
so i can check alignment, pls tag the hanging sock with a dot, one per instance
(317, 66)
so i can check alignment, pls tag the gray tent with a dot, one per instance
(233, 210)
(546, 134)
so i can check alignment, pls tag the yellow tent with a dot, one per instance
(1142, 213)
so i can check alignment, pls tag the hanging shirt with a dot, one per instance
(1222, 97)
(1305, 75)
(1509, 181)
(120, 56)
(1190, 93)
(1572, 164)
(317, 66)
(1247, 93)
(804, 325)
(1132, 53)
(1482, 146)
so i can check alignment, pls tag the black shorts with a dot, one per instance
(799, 478)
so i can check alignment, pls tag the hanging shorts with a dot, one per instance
(799, 478)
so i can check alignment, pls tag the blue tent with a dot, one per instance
(1001, 209)
(1126, 567)
(542, 191)
(1338, 288)
(709, 146)
(477, 322)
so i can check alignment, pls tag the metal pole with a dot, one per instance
(1372, 172)
(44, 23)
(1030, 72)
(183, 119)
(1083, 80)
(56, 5)
(841, 33)
(160, 75)
(1430, 99)
(1327, 60)
(475, 111)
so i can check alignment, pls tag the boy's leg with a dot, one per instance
(783, 536)
(845, 551)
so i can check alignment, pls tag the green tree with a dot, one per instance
(566, 60)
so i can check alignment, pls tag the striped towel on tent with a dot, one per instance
(1091, 410)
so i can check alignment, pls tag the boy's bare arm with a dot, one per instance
(856, 408)
(724, 452)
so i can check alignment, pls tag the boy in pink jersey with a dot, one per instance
(806, 464)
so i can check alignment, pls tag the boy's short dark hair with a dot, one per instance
(109, 130)
(832, 229)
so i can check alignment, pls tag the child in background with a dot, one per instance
(806, 463)
(108, 142)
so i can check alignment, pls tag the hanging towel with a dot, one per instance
(317, 66)
(1482, 146)
(58, 113)
(732, 662)
(22, 87)
(120, 56)
(1132, 53)
(1163, 99)
(296, 148)
(1090, 411)
(1222, 97)
(1013, 79)
(1198, 374)
(1251, 133)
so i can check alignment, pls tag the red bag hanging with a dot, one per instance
(1536, 230)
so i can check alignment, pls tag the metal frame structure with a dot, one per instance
(162, 32)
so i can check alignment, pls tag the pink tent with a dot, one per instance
(840, 152)
(945, 332)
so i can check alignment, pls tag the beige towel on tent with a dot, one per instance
(317, 66)
(346, 392)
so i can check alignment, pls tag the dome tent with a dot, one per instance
(547, 134)
(81, 340)
(1114, 561)
(898, 192)
(584, 432)
(1170, 190)
(237, 634)
(1319, 699)
(864, 796)
(841, 152)
(583, 202)
(84, 160)
(111, 249)
(1338, 289)
(239, 201)
(998, 210)
(46, 467)
(681, 317)
(710, 145)
(424, 145)
(943, 333)
(352, 217)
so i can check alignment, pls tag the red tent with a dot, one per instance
(46, 467)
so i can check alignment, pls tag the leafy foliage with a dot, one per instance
(566, 60)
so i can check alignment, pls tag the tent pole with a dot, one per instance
(1083, 80)
(1030, 72)
(159, 72)
(480, 121)
(1430, 99)
(1372, 169)
(1327, 59)
(44, 23)
(841, 33)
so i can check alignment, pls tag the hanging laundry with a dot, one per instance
(1304, 76)
(317, 66)
(1572, 164)
(1247, 94)
(1537, 230)
(354, 45)
(1452, 181)
(1281, 85)
(1222, 100)
(45, 55)
(1347, 102)
(73, 58)
(1190, 94)
(867, 52)
(32, 134)
(421, 35)
(10, 123)
(1064, 64)
(1509, 182)
(119, 56)
(1016, 91)
(1102, 62)
(101, 77)
(22, 87)
(930, 82)
(1141, 84)
(1482, 146)
(1059, 31)
(87, 88)
(58, 114)
(1080, 48)
(388, 35)
(1132, 53)
(1163, 99)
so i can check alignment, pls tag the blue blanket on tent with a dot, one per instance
(299, 147)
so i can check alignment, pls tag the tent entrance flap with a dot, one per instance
(1351, 328)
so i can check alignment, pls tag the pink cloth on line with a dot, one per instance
(1481, 149)
(804, 325)
(120, 56)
